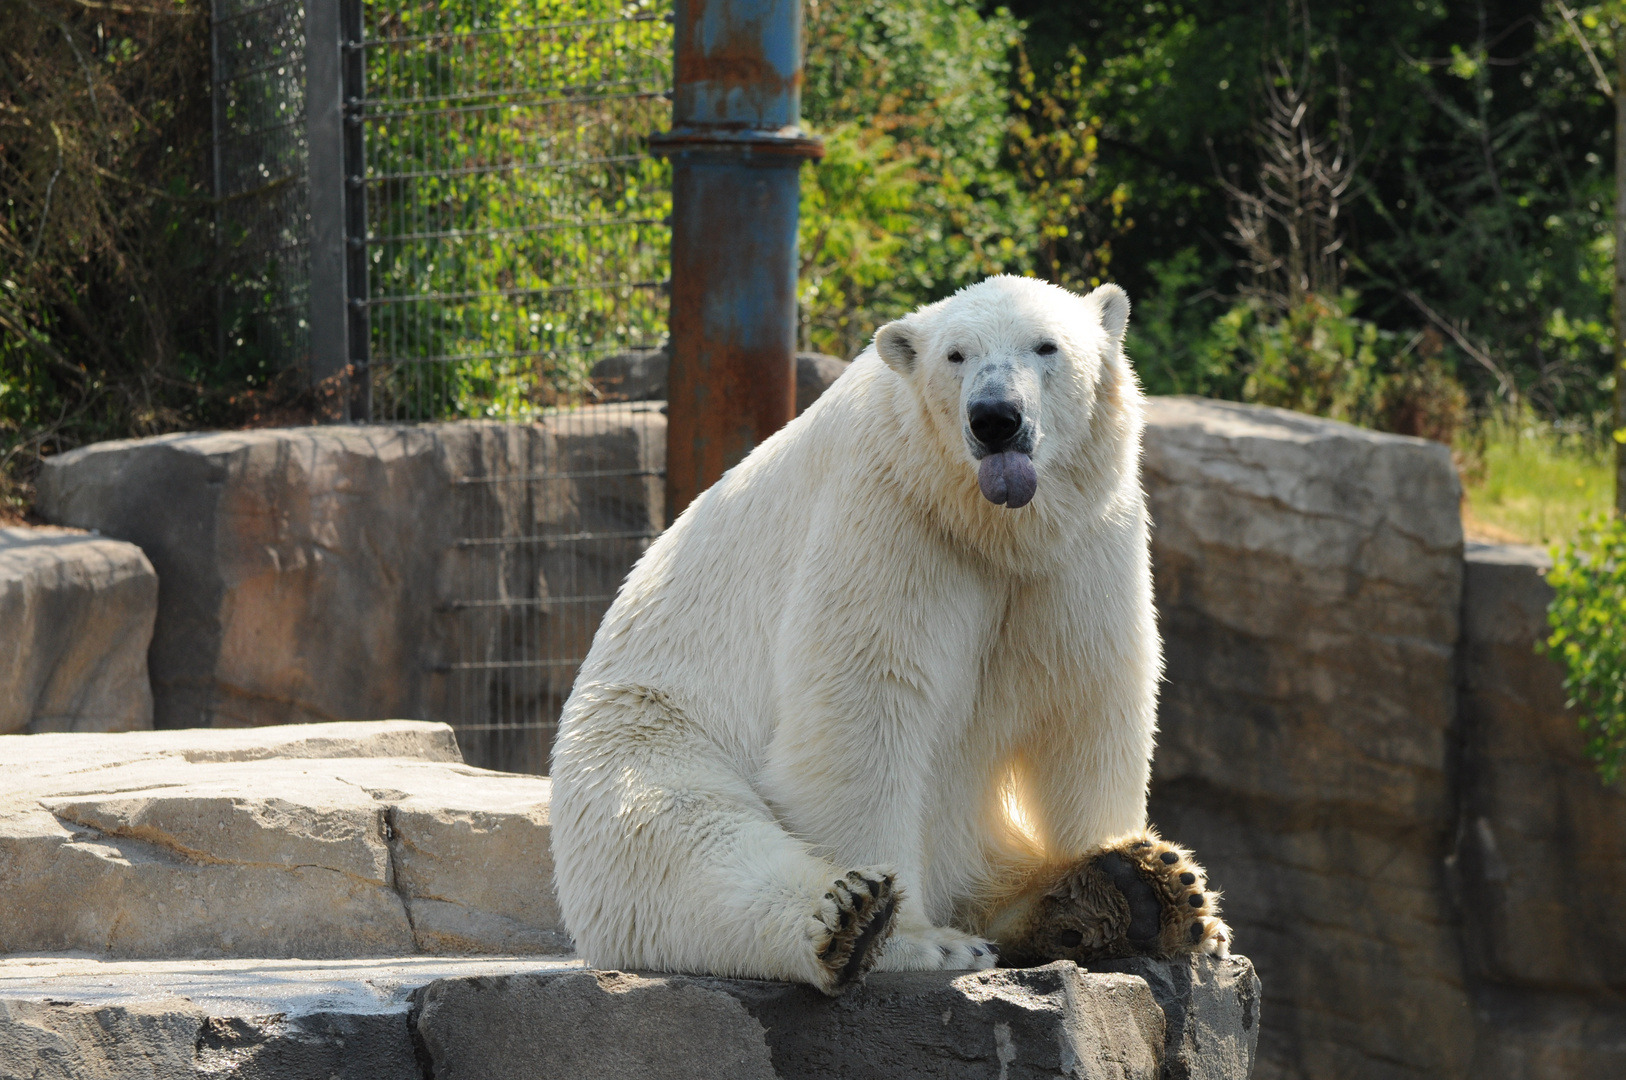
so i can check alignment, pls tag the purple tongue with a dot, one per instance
(1007, 479)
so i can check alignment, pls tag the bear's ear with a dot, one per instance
(1114, 305)
(896, 347)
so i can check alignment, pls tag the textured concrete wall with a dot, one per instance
(1309, 578)
(1541, 844)
(305, 574)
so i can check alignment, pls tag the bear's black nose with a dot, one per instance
(994, 423)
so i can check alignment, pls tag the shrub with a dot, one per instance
(1589, 636)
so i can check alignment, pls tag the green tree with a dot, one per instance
(912, 200)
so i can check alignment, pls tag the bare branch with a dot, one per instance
(1504, 383)
(1586, 47)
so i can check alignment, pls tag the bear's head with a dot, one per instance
(1020, 379)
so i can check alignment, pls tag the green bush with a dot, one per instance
(1589, 636)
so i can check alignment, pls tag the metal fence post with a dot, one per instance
(324, 133)
(736, 147)
(357, 323)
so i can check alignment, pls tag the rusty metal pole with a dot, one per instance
(736, 148)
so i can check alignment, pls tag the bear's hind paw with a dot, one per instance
(1137, 896)
(855, 918)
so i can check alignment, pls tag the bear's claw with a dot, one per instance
(1137, 896)
(856, 916)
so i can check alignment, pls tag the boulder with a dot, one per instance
(326, 840)
(640, 375)
(75, 1019)
(76, 617)
(1309, 583)
(635, 375)
(1541, 845)
(814, 374)
(448, 571)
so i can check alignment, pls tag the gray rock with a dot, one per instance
(328, 573)
(76, 617)
(211, 844)
(71, 1018)
(640, 375)
(635, 375)
(145, 1041)
(814, 374)
(76, 1018)
(1541, 848)
(1308, 578)
(1050, 1021)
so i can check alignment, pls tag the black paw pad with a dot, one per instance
(1144, 922)
(1196, 932)
(1169, 858)
(1196, 900)
(1188, 878)
(1070, 939)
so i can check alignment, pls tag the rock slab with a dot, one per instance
(323, 840)
(76, 617)
(1309, 584)
(493, 1019)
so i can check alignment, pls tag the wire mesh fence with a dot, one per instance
(507, 238)
(516, 226)
(260, 159)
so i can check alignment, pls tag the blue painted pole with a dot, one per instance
(736, 147)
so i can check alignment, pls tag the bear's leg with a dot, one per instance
(665, 858)
(1134, 896)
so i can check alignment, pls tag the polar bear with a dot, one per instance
(884, 696)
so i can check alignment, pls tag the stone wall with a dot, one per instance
(306, 574)
(1540, 857)
(1362, 745)
(1309, 576)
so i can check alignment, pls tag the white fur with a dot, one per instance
(842, 656)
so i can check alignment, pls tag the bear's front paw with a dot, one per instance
(1138, 896)
(854, 921)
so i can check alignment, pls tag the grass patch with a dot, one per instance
(1528, 482)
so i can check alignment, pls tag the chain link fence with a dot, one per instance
(478, 196)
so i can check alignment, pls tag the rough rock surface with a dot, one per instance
(640, 375)
(1541, 855)
(76, 616)
(326, 840)
(325, 573)
(73, 1019)
(76, 1018)
(1309, 579)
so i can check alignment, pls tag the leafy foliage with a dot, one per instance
(911, 200)
(1589, 636)
(104, 230)
(522, 233)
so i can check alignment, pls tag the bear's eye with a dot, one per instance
(956, 358)
(1046, 349)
